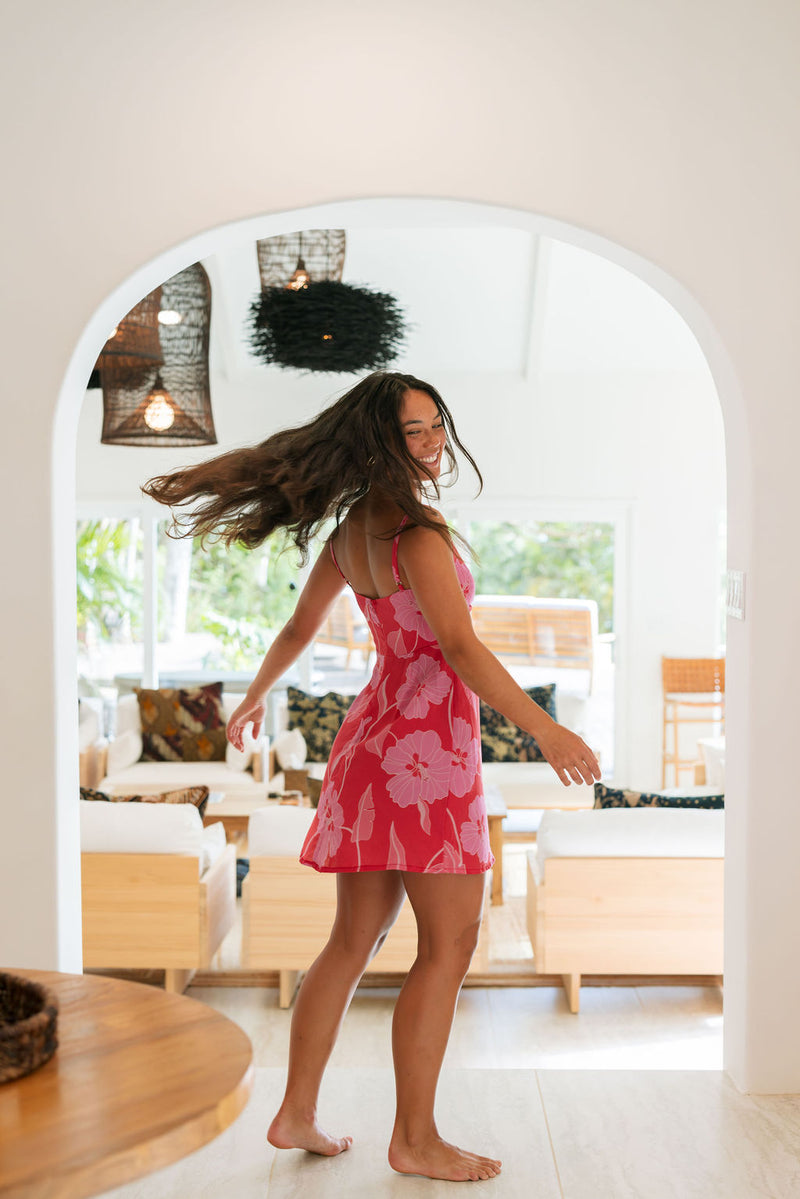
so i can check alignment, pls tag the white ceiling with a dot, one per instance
(482, 300)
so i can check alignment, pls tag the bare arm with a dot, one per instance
(428, 565)
(315, 600)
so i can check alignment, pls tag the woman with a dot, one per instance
(401, 810)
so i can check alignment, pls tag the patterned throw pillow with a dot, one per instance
(319, 718)
(621, 797)
(194, 795)
(502, 741)
(182, 724)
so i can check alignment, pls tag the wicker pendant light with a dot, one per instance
(158, 392)
(307, 319)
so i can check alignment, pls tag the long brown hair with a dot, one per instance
(301, 477)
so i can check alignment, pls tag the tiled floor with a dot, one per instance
(625, 1101)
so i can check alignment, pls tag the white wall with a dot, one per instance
(666, 132)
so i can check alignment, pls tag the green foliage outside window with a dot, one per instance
(109, 581)
(550, 559)
(242, 596)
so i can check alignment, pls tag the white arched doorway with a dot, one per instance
(366, 213)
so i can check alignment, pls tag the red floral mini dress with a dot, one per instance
(403, 787)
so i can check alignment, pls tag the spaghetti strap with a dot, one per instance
(335, 563)
(395, 571)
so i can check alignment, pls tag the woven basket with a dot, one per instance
(28, 1026)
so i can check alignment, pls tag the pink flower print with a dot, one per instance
(466, 756)
(425, 684)
(475, 831)
(397, 644)
(397, 855)
(362, 829)
(420, 768)
(408, 615)
(330, 822)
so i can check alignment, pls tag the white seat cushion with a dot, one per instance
(535, 785)
(146, 778)
(278, 831)
(632, 833)
(212, 845)
(141, 828)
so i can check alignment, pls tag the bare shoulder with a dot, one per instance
(426, 545)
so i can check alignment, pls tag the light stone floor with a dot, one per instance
(625, 1101)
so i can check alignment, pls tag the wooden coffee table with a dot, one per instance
(141, 1078)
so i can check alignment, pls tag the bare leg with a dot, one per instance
(367, 906)
(448, 911)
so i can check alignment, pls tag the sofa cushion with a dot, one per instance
(141, 828)
(278, 831)
(124, 750)
(503, 741)
(182, 724)
(671, 797)
(319, 718)
(191, 795)
(212, 845)
(535, 785)
(148, 777)
(631, 833)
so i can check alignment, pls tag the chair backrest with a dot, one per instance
(684, 676)
(538, 632)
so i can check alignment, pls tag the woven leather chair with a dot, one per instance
(694, 693)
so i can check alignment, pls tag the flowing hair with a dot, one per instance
(302, 477)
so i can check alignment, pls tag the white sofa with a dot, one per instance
(125, 774)
(627, 891)
(158, 890)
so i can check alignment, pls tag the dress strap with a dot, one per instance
(335, 563)
(395, 571)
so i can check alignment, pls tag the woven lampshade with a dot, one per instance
(158, 393)
(306, 319)
(322, 251)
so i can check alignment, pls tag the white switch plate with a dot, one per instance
(735, 600)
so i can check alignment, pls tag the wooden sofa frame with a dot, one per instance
(154, 911)
(625, 916)
(287, 914)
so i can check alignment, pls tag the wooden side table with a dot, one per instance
(141, 1078)
(496, 812)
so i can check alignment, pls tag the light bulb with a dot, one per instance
(168, 316)
(327, 337)
(300, 279)
(159, 414)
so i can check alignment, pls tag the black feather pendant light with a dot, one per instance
(305, 318)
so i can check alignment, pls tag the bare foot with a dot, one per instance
(289, 1131)
(435, 1158)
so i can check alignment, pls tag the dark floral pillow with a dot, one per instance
(194, 795)
(319, 718)
(182, 724)
(502, 741)
(622, 797)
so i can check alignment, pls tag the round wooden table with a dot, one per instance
(140, 1078)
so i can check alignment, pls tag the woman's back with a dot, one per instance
(363, 547)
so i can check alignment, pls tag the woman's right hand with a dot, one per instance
(249, 710)
(569, 755)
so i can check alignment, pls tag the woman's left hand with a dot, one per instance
(248, 710)
(569, 755)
